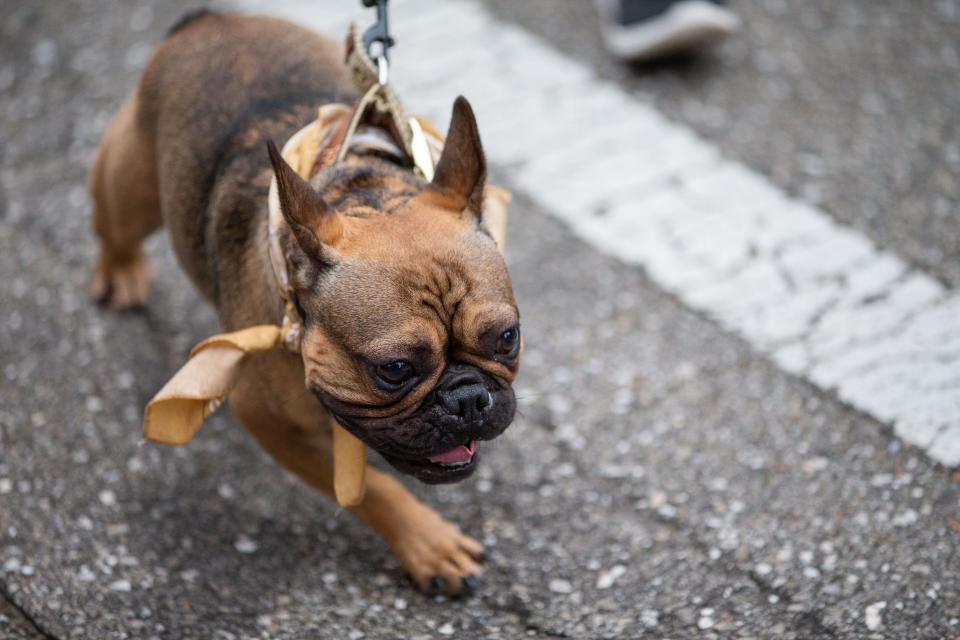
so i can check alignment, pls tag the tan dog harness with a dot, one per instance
(198, 389)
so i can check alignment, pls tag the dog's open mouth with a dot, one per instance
(449, 466)
(456, 457)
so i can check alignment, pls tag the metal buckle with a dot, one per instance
(379, 31)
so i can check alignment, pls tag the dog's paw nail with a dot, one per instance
(436, 585)
(471, 584)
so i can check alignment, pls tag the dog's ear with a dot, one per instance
(307, 215)
(462, 168)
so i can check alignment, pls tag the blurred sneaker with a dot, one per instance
(644, 29)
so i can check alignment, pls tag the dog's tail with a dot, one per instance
(189, 18)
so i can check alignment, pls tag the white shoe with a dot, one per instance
(654, 28)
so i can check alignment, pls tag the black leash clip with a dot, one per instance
(379, 32)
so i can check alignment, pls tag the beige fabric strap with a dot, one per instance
(349, 467)
(177, 412)
(494, 217)
(365, 102)
(366, 78)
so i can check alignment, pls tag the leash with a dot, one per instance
(179, 409)
(378, 33)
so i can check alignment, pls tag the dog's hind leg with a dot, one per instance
(126, 209)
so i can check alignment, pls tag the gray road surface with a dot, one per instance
(662, 480)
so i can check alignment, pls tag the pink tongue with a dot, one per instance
(457, 455)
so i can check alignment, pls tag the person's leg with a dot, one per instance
(646, 29)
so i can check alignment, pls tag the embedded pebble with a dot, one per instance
(44, 53)
(85, 575)
(606, 579)
(121, 585)
(667, 511)
(706, 619)
(905, 519)
(94, 404)
(873, 615)
(649, 618)
(560, 586)
(244, 544)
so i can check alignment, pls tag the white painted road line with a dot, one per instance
(818, 298)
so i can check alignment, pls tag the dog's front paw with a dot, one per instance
(120, 284)
(438, 557)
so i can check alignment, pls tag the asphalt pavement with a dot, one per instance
(662, 480)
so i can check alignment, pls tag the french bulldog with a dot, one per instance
(411, 331)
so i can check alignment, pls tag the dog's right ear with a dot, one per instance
(462, 168)
(307, 215)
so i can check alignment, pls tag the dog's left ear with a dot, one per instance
(309, 218)
(462, 168)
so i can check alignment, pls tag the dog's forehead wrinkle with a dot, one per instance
(442, 287)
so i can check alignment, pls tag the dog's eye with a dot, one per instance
(395, 372)
(508, 343)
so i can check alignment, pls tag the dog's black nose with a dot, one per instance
(464, 395)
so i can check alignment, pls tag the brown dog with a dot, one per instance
(411, 330)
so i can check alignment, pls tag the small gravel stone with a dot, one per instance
(873, 615)
(606, 579)
(446, 629)
(121, 585)
(905, 519)
(649, 618)
(245, 544)
(560, 586)
(667, 511)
